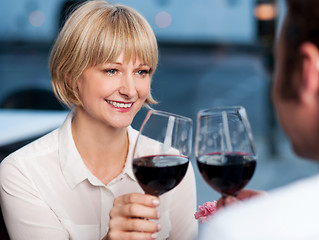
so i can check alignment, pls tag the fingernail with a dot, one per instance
(154, 235)
(158, 214)
(159, 227)
(156, 202)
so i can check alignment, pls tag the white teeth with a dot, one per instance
(119, 105)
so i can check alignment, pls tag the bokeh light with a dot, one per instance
(265, 12)
(36, 18)
(163, 19)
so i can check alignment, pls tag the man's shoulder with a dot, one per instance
(284, 214)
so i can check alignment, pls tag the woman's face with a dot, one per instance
(113, 93)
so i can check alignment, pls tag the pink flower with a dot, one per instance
(205, 211)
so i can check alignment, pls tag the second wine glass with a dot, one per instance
(162, 151)
(224, 149)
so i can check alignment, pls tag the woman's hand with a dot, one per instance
(130, 217)
(242, 195)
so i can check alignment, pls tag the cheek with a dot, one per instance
(277, 100)
(289, 122)
(281, 111)
(91, 93)
(143, 89)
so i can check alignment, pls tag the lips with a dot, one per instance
(120, 104)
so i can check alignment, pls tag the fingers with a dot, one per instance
(225, 201)
(130, 217)
(242, 195)
(139, 198)
(134, 210)
(117, 235)
(135, 205)
(135, 225)
(249, 193)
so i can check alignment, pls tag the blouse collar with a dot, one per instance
(72, 165)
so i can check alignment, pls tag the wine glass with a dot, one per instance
(162, 151)
(224, 149)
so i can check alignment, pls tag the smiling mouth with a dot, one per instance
(119, 104)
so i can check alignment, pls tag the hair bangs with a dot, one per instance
(123, 32)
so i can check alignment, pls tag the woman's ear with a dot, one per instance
(309, 81)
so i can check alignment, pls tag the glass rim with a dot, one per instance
(164, 113)
(206, 111)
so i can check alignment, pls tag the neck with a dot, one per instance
(102, 148)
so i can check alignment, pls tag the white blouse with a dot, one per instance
(47, 192)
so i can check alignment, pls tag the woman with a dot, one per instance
(77, 182)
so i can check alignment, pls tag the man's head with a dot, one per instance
(296, 87)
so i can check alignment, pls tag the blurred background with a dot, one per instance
(212, 53)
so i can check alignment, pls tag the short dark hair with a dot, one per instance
(301, 25)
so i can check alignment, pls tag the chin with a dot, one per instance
(122, 123)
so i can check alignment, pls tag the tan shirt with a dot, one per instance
(47, 192)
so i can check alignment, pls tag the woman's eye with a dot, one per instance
(143, 72)
(111, 71)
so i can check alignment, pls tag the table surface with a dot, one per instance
(18, 125)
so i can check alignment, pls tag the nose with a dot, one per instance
(128, 87)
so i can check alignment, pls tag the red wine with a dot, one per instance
(159, 174)
(230, 177)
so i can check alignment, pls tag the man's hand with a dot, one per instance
(242, 195)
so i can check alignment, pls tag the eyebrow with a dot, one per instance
(143, 64)
(119, 63)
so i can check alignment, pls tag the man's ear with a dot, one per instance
(309, 87)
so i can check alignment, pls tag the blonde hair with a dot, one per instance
(95, 33)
